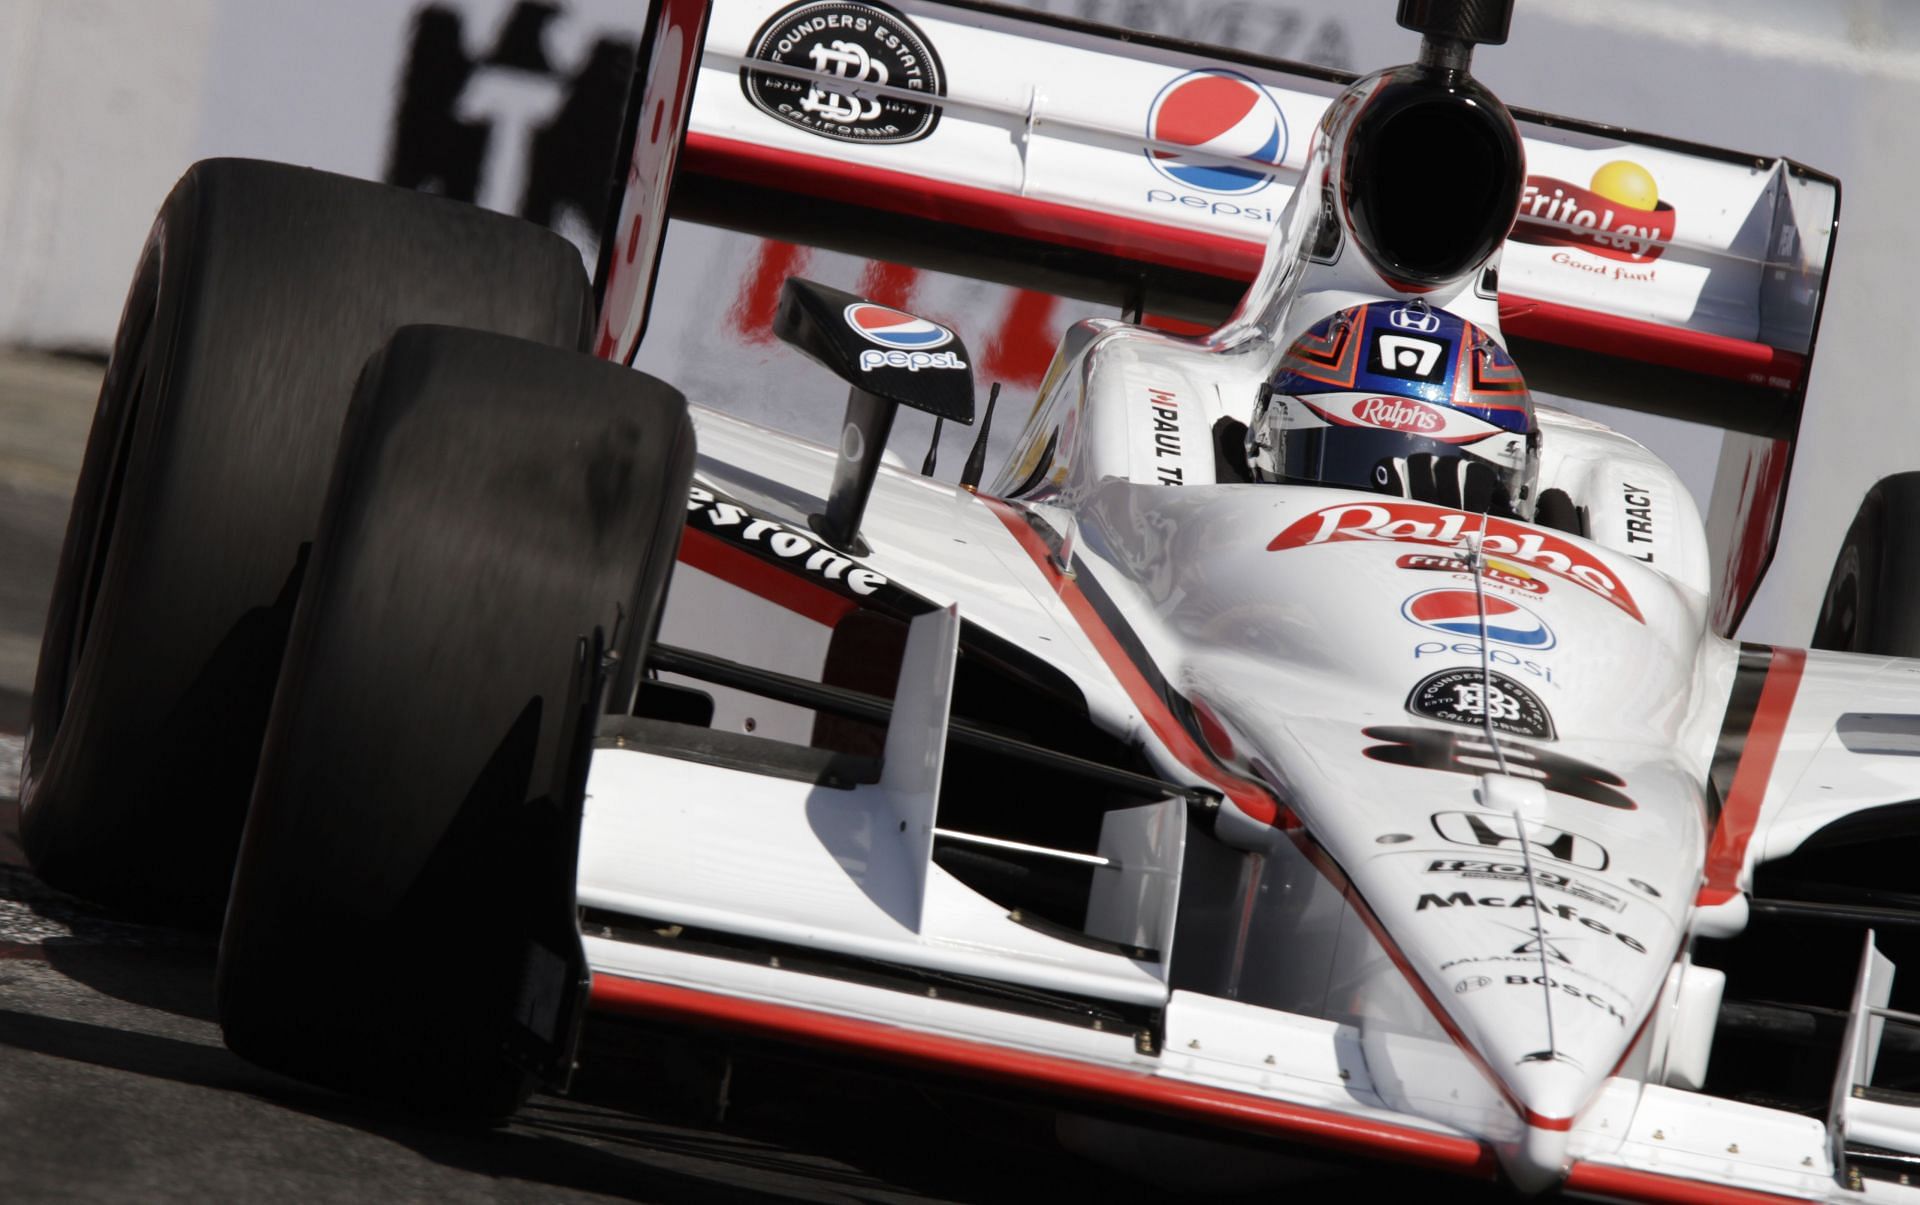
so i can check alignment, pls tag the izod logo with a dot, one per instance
(1619, 214)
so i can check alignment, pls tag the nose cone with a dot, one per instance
(1544, 966)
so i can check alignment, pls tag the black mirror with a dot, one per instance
(889, 358)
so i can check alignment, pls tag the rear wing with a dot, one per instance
(1131, 170)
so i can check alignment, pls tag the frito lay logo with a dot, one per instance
(1619, 214)
(1398, 414)
(1418, 523)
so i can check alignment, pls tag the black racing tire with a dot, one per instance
(409, 857)
(260, 293)
(1872, 604)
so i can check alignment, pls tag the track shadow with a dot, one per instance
(557, 1144)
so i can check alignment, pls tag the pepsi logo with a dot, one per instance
(892, 328)
(1225, 116)
(1399, 414)
(1457, 613)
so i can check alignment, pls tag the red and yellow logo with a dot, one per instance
(1619, 214)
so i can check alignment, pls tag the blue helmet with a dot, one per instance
(1404, 399)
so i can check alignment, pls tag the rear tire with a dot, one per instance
(1872, 603)
(402, 911)
(260, 293)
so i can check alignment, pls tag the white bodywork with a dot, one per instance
(1463, 767)
(1296, 651)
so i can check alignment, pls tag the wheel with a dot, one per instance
(261, 291)
(1870, 601)
(401, 920)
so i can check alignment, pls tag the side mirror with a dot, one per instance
(889, 358)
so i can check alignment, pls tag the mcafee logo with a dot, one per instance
(1399, 414)
(1419, 523)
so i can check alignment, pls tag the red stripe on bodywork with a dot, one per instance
(1651, 342)
(965, 205)
(1247, 796)
(981, 1060)
(1196, 251)
(1626, 1184)
(1741, 811)
(710, 554)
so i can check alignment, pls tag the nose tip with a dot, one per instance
(1550, 1091)
(1539, 1159)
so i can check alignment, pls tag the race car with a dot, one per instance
(1307, 732)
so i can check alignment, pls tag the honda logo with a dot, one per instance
(1493, 830)
(1410, 318)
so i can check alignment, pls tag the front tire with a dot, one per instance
(261, 292)
(1872, 604)
(402, 912)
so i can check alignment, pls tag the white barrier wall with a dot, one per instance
(99, 110)
(103, 102)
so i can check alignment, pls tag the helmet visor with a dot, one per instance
(1412, 466)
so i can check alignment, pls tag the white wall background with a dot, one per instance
(104, 102)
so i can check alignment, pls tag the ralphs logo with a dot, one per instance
(1619, 214)
(1399, 414)
(1420, 523)
(1224, 116)
(1457, 613)
(857, 43)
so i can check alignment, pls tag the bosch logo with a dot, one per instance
(1457, 613)
(1224, 116)
(1399, 414)
(1414, 318)
(894, 329)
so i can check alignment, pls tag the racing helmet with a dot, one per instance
(1400, 398)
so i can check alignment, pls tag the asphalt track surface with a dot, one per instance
(114, 1084)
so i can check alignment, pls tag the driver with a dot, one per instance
(1400, 399)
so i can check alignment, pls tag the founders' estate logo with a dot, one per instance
(868, 55)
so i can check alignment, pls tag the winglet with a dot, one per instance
(917, 742)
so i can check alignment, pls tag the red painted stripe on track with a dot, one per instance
(981, 1060)
(1741, 812)
(1628, 1184)
(711, 554)
(1247, 796)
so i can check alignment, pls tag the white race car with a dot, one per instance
(1305, 734)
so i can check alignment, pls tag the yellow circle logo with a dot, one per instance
(1625, 182)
